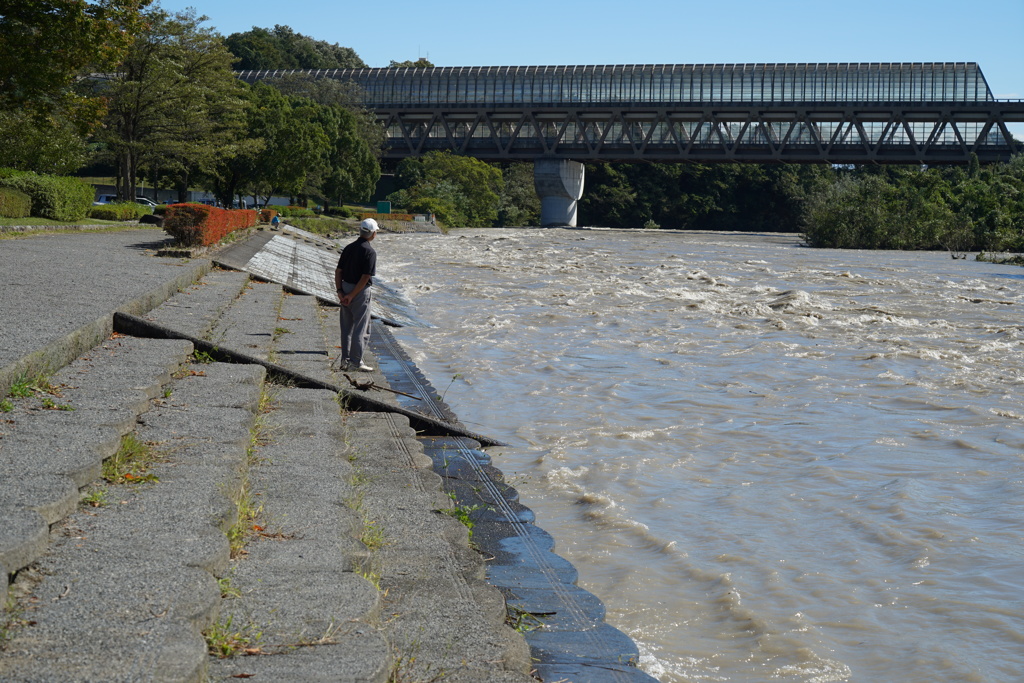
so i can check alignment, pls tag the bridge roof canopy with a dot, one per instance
(660, 84)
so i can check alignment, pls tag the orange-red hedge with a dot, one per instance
(199, 224)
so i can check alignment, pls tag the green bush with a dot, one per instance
(58, 198)
(14, 203)
(123, 211)
(295, 212)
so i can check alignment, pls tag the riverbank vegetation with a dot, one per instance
(972, 208)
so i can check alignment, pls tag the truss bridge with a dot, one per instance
(901, 113)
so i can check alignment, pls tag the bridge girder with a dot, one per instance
(818, 133)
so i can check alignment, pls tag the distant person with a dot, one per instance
(353, 278)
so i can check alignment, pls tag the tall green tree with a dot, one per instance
(46, 45)
(461, 191)
(174, 103)
(283, 48)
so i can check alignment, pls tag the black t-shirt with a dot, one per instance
(358, 259)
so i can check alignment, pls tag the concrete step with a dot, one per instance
(127, 588)
(300, 582)
(196, 309)
(52, 444)
(443, 618)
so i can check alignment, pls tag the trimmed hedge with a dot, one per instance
(199, 224)
(122, 211)
(267, 215)
(14, 203)
(58, 198)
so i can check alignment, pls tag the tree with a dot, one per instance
(520, 204)
(421, 63)
(174, 103)
(41, 143)
(283, 48)
(46, 45)
(461, 191)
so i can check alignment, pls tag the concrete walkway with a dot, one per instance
(167, 517)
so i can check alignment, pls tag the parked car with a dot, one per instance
(112, 199)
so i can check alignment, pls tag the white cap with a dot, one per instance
(369, 226)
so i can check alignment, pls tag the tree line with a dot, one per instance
(149, 94)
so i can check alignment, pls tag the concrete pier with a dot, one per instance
(559, 184)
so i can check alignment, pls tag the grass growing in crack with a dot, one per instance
(6, 406)
(50, 404)
(131, 463)
(227, 589)
(25, 386)
(462, 512)
(372, 536)
(11, 617)
(225, 640)
(96, 498)
(202, 357)
(245, 527)
(402, 670)
(368, 570)
(279, 332)
(522, 620)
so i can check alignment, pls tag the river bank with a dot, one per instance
(271, 504)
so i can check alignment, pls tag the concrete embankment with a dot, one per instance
(168, 516)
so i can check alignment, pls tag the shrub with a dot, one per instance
(267, 215)
(199, 224)
(122, 211)
(14, 203)
(295, 212)
(58, 198)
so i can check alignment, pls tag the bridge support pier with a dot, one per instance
(559, 184)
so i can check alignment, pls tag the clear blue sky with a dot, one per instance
(528, 32)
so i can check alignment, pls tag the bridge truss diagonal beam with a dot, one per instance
(798, 134)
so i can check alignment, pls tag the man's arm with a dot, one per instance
(360, 286)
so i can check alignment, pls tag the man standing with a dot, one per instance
(353, 278)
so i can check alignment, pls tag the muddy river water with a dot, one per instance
(772, 463)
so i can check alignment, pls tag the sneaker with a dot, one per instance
(340, 364)
(363, 367)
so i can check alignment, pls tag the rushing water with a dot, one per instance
(772, 463)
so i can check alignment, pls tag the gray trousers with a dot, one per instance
(355, 324)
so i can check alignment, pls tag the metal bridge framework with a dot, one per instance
(921, 113)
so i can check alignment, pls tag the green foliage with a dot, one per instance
(283, 48)
(126, 211)
(520, 205)
(41, 143)
(698, 197)
(45, 46)
(174, 102)
(14, 203)
(460, 191)
(421, 63)
(55, 197)
(980, 208)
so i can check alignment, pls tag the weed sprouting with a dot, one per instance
(462, 512)
(96, 498)
(6, 405)
(202, 357)
(223, 640)
(131, 463)
(372, 536)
